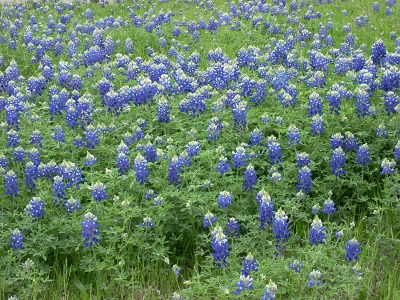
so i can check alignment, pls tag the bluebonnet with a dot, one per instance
(317, 126)
(275, 174)
(280, 229)
(265, 118)
(239, 157)
(175, 168)
(150, 152)
(150, 194)
(338, 161)
(11, 184)
(245, 282)
(304, 180)
(12, 116)
(129, 139)
(296, 266)
(388, 11)
(293, 134)
(58, 189)
(123, 148)
(139, 134)
(314, 105)
(378, 52)
(387, 166)
(381, 130)
(193, 148)
(13, 139)
(34, 156)
(220, 246)
(375, 6)
(35, 208)
(89, 230)
(232, 228)
(337, 141)
(209, 219)
(90, 160)
(78, 142)
(271, 288)
(363, 155)
(91, 136)
(390, 80)
(274, 152)
(316, 209)
(163, 111)
(240, 116)
(158, 200)
(3, 161)
(224, 199)
(72, 204)
(314, 278)
(352, 250)
(99, 191)
(396, 151)
(317, 232)
(250, 178)
(141, 169)
(214, 126)
(351, 142)
(339, 235)
(302, 159)
(256, 137)
(36, 138)
(30, 175)
(249, 264)
(129, 48)
(176, 269)
(265, 210)
(147, 222)
(58, 134)
(16, 240)
(122, 163)
(391, 100)
(207, 184)
(362, 104)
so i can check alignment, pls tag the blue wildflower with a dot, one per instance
(293, 134)
(99, 191)
(296, 266)
(245, 282)
(209, 219)
(315, 278)
(329, 206)
(232, 228)
(11, 184)
(363, 155)
(352, 250)
(16, 240)
(147, 222)
(387, 166)
(271, 288)
(72, 204)
(249, 264)
(90, 232)
(317, 232)
(224, 199)
(338, 161)
(250, 178)
(35, 208)
(220, 246)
